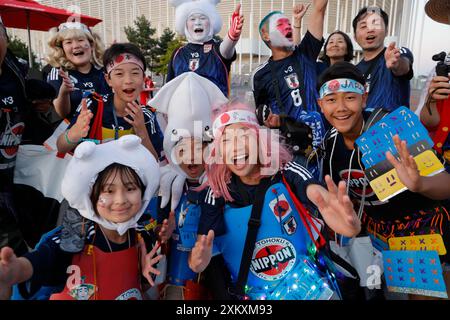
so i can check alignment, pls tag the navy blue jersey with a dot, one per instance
(13, 107)
(301, 107)
(92, 81)
(344, 164)
(321, 66)
(205, 60)
(212, 217)
(385, 89)
(124, 128)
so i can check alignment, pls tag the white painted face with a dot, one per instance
(281, 32)
(198, 28)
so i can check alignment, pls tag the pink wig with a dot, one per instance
(272, 154)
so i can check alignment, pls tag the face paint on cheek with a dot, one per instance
(103, 201)
(279, 28)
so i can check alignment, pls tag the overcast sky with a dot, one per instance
(434, 39)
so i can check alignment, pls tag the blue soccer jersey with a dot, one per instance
(205, 60)
(385, 89)
(297, 88)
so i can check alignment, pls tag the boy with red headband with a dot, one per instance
(105, 118)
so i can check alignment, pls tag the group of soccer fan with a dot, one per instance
(200, 195)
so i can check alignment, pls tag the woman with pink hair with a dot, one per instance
(255, 215)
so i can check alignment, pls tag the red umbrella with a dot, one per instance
(31, 15)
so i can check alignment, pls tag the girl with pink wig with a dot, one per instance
(248, 166)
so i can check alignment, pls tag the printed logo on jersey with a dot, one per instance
(194, 64)
(290, 225)
(272, 259)
(280, 207)
(357, 181)
(73, 79)
(182, 217)
(207, 48)
(9, 142)
(292, 81)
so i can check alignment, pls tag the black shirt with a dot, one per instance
(93, 81)
(13, 106)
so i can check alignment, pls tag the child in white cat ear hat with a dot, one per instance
(110, 185)
(199, 21)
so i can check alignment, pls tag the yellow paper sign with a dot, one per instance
(429, 242)
(389, 185)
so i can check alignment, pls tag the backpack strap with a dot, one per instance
(253, 226)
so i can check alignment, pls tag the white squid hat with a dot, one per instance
(188, 101)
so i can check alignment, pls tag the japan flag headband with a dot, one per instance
(122, 59)
(231, 117)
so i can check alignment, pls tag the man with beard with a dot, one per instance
(387, 70)
(284, 86)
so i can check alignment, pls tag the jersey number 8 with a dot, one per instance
(296, 97)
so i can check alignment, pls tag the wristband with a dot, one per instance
(66, 136)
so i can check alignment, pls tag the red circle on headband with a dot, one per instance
(334, 85)
(225, 118)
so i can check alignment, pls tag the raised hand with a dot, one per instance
(392, 56)
(299, 11)
(336, 207)
(148, 260)
(67, 85)
(406, 168)
(82, 125)
(236, 24)
(134, 110)
(167, 228)
(202, 252)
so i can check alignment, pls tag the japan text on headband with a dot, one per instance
(341, 85)
(122, 59)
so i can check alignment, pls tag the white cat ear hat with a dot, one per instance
(188, 101)
(90, 159)
(185, 8)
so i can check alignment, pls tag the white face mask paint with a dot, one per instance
(198, 28)
(281, 32)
